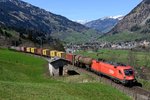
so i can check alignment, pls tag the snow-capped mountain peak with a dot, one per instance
(81, 21)
(119, 17)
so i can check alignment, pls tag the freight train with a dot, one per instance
(118, 72)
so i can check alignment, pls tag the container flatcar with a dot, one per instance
(45, 52)
(53, 53)
(61, 54)
(33, 50)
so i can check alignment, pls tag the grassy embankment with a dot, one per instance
(135, 59)
(23, 77)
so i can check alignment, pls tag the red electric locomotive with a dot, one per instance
(116, 71)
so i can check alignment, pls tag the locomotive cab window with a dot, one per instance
(120, 72)
(128, 72)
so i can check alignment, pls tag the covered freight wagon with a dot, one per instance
(39, 51)
(70, 57)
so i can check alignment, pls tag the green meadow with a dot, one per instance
(24, 77)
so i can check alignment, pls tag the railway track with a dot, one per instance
(135, 92)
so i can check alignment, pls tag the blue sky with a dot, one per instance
(86, 9)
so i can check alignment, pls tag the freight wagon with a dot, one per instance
(22, 49)
(45, 52)
(70, 57)
(28, 49)
(33, 50)
(53, 53)
(39, 51)
(83, 61)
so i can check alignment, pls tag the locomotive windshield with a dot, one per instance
(128, 72)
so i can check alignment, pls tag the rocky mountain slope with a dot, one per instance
(104, 25)
(137, 20)
(18, 15)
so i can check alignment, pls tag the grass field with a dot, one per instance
(23, 77)
(133, 58)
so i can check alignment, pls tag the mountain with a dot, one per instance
(18, 15)
(104, 25)
(137, 19)
(135, 26)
